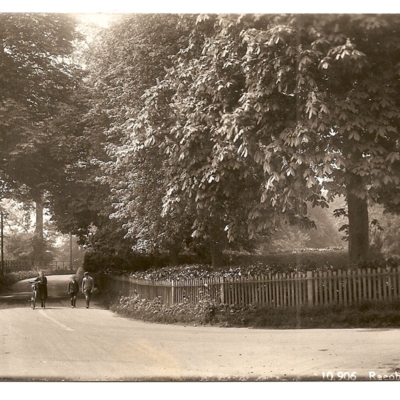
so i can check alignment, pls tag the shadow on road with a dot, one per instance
(22, 300)
(14, 300)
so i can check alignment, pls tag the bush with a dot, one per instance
(209, 312)
(100, 261)
(302, 259)
(9, 279)
(205, 312)
(253, 265)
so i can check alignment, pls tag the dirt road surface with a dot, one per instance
(63, 344)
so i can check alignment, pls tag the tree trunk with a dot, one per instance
(358, 220)
(38, 239)
(217, 242)
(39, 219)
(216, 254)
(174, 255)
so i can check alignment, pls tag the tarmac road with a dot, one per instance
(59, 343)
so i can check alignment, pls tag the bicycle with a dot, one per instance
(34, 294)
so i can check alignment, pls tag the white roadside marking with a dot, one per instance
(56, 322)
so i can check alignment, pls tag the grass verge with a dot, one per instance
(363, 315)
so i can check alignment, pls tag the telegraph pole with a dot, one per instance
(70, 251)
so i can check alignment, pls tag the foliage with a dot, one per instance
(248, 266)
(206, 311)
(19, 235)
(38, 78)
(10, 278)
(291, 239)
(63, 247)
(384, 229)
(208, 164)
(206, 132)
(102, 260)
(244, 266)
(258, 110)
(363, 315)
(18, 247)
(325, 233)
(77, 201)
(123, 62)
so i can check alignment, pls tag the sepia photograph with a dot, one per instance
(199, 196)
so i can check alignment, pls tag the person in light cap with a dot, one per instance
(87, 287)
(73, 290)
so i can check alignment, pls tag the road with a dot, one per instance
(59, 343)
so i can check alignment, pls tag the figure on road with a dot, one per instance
(87, 287)
(73, 290)
(41, 288)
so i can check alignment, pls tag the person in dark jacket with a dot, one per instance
(41, 281)
(73, 290)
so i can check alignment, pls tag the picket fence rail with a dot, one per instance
(311, 288)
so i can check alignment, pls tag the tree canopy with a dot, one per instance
(265, 111)
(123, 62)
(211, 130)
(37, 78)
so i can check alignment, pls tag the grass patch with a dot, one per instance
(207, 312)
(363, 315)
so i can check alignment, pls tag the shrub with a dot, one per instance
(208, 312)
(99, 261)
(9, 279)
(205, 312)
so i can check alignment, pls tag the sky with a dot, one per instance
(101, 19)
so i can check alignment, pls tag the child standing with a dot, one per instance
(73, 290)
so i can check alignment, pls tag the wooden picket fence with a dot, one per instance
(146, 289)
(277, 290)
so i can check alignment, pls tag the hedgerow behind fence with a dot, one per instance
(294, 289)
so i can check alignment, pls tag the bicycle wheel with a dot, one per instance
(33, 301)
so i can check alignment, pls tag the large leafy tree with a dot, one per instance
(80, 204)
(37, 80)
(77, 201)
(345, 81)
(221, 156)
(125, 60)
(264, 111)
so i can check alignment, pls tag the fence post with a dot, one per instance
(309, 288)
(172, 292)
